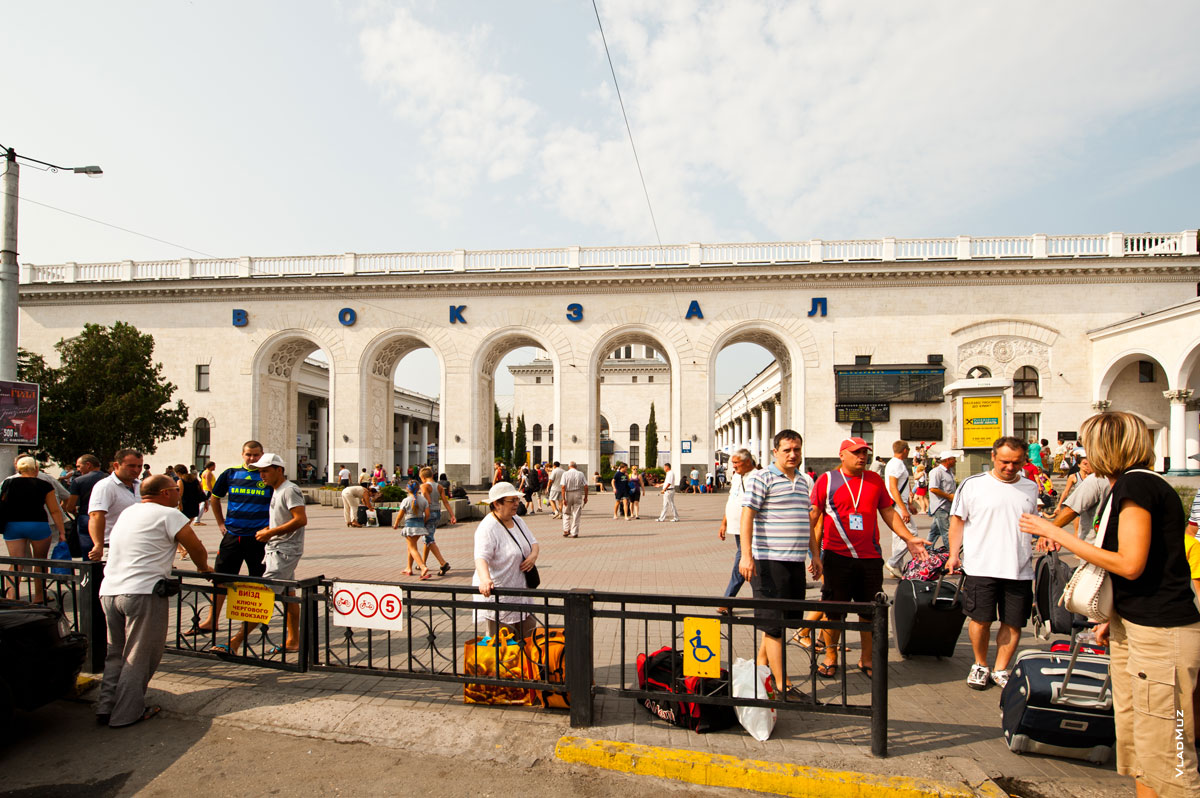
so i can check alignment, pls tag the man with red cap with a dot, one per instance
(846, 504)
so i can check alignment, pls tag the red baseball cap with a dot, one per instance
(854, 444)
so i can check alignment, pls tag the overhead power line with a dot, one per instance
(628, 129)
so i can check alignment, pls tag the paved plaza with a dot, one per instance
(938, 727)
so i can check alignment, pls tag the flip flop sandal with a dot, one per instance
(444, 569)
(425, 576)
(827, 670)
(221, 648)
(407, 573)
(866, 669)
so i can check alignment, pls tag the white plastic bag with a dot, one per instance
(372, 518)
(753, 681)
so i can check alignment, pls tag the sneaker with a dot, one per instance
(893, 570)
(977, 679)
(1000, 677)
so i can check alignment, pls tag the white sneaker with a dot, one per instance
(893, 570)
(977, 679)
(1000, 677)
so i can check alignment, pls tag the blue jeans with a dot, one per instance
(941, 526)
(736, 580)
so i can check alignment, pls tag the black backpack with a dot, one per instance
(663, 670)
(532, 480)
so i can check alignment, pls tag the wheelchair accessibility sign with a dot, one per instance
(702, 647)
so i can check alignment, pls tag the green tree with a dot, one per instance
(498, 433)
(651, 455)
(519, 448)
(108, 393)
(506, 456)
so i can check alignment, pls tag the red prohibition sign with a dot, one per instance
(390, 606)
(364, 605)
(343, 602)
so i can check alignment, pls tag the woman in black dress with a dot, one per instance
(191, 496)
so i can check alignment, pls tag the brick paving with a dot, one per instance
(935, 720)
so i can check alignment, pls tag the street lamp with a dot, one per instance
(9, 275)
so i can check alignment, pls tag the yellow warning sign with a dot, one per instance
(249, 603)
(702, 647)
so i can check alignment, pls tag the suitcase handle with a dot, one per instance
(1065, 691)
(937, 591)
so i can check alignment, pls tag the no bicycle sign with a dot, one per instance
(370, 606)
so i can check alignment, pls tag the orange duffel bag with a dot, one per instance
(546, 650)
(500, 658)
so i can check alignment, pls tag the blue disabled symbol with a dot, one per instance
(698, 646)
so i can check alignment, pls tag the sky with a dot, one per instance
(312, 126)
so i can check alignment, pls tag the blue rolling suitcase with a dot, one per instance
(1059, 704)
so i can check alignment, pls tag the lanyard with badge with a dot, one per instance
(855, 517)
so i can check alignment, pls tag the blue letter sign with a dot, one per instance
(574, 312)
(347, 316)
(456, 314)
(694, 311)
(819, 303)
(240, 317)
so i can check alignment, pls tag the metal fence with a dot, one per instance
(605, 633)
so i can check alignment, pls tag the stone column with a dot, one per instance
(1177, 441)
(403, 437)
(768, 432)
(743, 436)
(778, 413)
(755, 442)
(423, 442)
(323, 442)
(1191, 423)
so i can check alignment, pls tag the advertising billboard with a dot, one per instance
(18, 413)
(982, 421)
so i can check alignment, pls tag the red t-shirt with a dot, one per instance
(861, 496)
(1032, 473)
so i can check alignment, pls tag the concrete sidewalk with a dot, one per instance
(939, 729)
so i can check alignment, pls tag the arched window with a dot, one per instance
(979, 373)
(1025, 382)
(202, 438)
(551, 433)
(633, 432)
(537, 433)
(604, 433)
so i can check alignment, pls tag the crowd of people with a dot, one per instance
(788, 525)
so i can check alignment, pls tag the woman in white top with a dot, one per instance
(504, 550)
(414, 511)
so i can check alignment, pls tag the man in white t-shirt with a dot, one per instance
(741, 464)
(574, 487)
(344, 477)
(668, 495)
(556, 491)
(143, 544)
(285, 543)
(111, 496)
(898, 481)
(996, 556)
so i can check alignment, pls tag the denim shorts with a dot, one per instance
(431, 526)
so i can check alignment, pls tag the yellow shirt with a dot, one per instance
(1191, 548)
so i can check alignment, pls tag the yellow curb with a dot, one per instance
(778, 778)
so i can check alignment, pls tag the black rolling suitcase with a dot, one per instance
(928, 617)
(384, 514)
(360, 515)
(1059, 704)
(1050, 576)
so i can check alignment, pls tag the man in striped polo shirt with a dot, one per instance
(774, 539)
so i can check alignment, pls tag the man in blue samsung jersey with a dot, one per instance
(247, 510)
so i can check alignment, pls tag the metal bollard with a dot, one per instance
(879, 676)
(578, 631)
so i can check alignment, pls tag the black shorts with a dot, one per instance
(986, 598)
(237, 549)
(778, 579)
(850, 579)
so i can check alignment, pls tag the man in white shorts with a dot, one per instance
(285, 543)
(996, 555)
(897, 480)
(556, 477)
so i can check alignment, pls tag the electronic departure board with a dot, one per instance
(889, 383)
(862, 411)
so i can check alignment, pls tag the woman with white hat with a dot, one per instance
(505, 550)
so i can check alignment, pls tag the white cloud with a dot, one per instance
(789, 120)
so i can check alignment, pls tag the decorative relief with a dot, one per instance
(385, 362)
(376, 430)
(276, 415)
(284, 359)
(1003, 355)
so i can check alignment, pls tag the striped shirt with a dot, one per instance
(781, 521)
(1194, 515)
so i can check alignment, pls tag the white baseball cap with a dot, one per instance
(947, 454)
(269, 459)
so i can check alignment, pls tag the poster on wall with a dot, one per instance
(982, 420)
(18, 413)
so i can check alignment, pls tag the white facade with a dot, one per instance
(811, 304)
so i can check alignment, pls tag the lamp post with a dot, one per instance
(10, 276)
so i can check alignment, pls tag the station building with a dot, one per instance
(962, 336)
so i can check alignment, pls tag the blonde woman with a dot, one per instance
(1155, 625)
(26, 500)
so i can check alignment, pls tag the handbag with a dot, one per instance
(61, 551)
(500, 658)
(1089, 591)
(532, 577)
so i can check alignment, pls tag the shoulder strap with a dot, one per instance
(514, 540)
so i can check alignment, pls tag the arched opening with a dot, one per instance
(202, 440)
(291, 385)
(415, 438)
(1135, 382)
(632, 374)
(516, 380)
(754, 398)
(979, 373)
